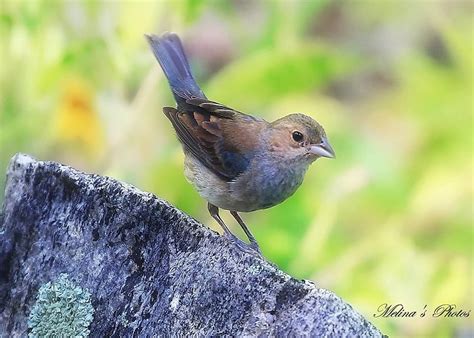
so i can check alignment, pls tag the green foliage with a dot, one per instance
(62, 309)
(279, 71)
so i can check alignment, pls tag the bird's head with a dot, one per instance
(300, 138)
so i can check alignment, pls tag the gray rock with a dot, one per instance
(151, 269)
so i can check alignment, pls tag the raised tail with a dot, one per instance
(169, 52)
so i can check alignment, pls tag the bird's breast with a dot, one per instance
(268, 183)
(265, 183)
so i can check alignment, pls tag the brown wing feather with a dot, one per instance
(211, 133)
(218, 110)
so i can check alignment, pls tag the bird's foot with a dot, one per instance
(252, 248)
(255, 247)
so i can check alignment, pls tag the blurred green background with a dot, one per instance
(389, 221)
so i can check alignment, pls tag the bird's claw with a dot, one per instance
(255, 247)
(251, 248)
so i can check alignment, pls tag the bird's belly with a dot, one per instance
(249, 192)
(211, 187)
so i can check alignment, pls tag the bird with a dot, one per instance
(236, 162)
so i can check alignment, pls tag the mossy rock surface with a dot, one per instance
(62, 309)
(151, 270)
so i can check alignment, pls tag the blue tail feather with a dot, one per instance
(170, 54)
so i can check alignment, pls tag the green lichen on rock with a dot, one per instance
(62, 309)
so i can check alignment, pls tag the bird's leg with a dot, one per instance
(253, 241)
(214, 211)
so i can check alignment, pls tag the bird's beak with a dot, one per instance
(323, 149)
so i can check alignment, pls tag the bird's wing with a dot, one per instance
(223, 139)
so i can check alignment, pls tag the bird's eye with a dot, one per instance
(297, 136)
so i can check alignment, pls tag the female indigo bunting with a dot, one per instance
(235, 161)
